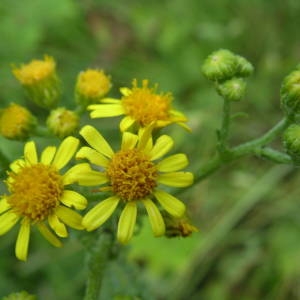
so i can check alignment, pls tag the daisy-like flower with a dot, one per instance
(141, 106)
(38, 194)
(133, 177)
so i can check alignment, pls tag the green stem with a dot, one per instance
(98, 257)
(224, 131)
(251, 147)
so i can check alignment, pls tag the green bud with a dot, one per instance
(220, 65)
(20, 296)
(291, 140)
(62, 122)
(290, 94)
(244, 67)
(232, 89)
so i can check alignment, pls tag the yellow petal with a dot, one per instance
(47, 155)
(145, 137)
(96, 140)
(69, 217)
(75, 172)
(93, 156)
(72, 198)
(176, 179)
(172, 163)
(106, 100)
(100, 213)
(4, 206)
(129, 141)
(91, 178)
(163, 145)
(126, 122)
(48, 235)
(65, 152)
(106, 110)
(127, 222)
(171, 204)
(156, 220)
(125, 91)
(16, 165)
(30, 154)
(22, 243)
(58, 227)
(7, 221)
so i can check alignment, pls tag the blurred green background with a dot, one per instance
(248, 246)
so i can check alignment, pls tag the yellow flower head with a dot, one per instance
(40, 81)
(16, 122)
(91, 86)
(38, 194)
(35, 71)
(140, 105)
(62, 122)
(133, 176)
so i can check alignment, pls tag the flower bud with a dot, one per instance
(291, 140)
(244, 67)
(232, 89)
(220, 65)
(16, 122)
(19, 296)
(62, 122)
(290, 94)
(92, 86)
(40, 81)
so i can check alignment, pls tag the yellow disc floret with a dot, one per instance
(92, 84)
(132, 175)
(16, 122)
(35, 191)
(35, 71)
(145, 106)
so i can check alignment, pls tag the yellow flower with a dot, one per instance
(141, 106)
(133, 177)
(35, 71)
(37, 194)
(40, 81)
(91, 86)
(16, 122)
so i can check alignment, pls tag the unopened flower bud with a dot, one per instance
(291, 140)
(220, 65)
(62, 122)
(91, 86)
(232, 89)
(40, 81)
(244, 67)
(16, 122)
(19, 296)
(290, 94)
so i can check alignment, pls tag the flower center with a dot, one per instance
(145, 106)
(132, 174)
(35, 191)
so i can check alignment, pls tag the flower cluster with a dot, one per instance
(42, 190)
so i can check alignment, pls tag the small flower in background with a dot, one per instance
(37, 194)
(40, 81)
(19, 296)
(91, 86)
(62, 122)
(16, 122)
(141, 106)
(133, 177)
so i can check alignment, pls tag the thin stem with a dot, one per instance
(274, 155)
(98, 257)
(224, 131)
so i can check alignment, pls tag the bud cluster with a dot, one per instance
(228, 71)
